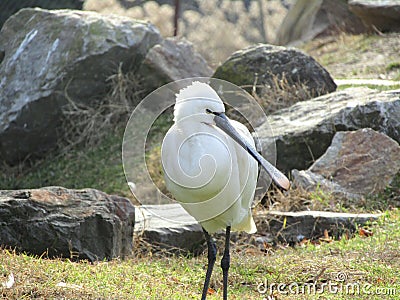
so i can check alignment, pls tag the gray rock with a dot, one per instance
(310, 224)
(304, 131)
(307, 20)
(169, 226)
(10, 7)
(50, 55)
(382, 14)
(311, 181)
(261, 63)
(172, 59)
(356, 164)
(84, 224)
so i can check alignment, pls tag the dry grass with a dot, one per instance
(153, 162)
(89, 124)
(299, 199)
(280, 94)
(90, 146)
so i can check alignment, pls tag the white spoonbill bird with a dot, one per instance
(210, 167)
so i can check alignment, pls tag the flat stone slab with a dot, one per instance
(310, 224)
(309, 19)
(365, 81)
(170, 226)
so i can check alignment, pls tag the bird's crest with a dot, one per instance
(197, 90)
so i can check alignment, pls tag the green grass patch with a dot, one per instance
(393, 66)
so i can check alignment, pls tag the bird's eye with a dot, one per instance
(208, 111)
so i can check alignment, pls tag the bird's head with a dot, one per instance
(198, 99)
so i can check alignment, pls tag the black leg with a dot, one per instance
(225, 262)
(212, 255)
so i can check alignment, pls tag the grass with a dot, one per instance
(372, 263)
(357, 56)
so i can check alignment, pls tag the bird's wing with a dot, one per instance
(247, 178)
(247, 165)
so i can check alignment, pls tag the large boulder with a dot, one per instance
(10, 7)
(55, 56)
(262, 64)
(173, 59)
(356, 164)
(383, 15)
(307, 20)
(84, 224)
(304, 131)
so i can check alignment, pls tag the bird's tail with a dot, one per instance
(247, 225)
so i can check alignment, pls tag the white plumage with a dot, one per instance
(210, 167)
(209, 173)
